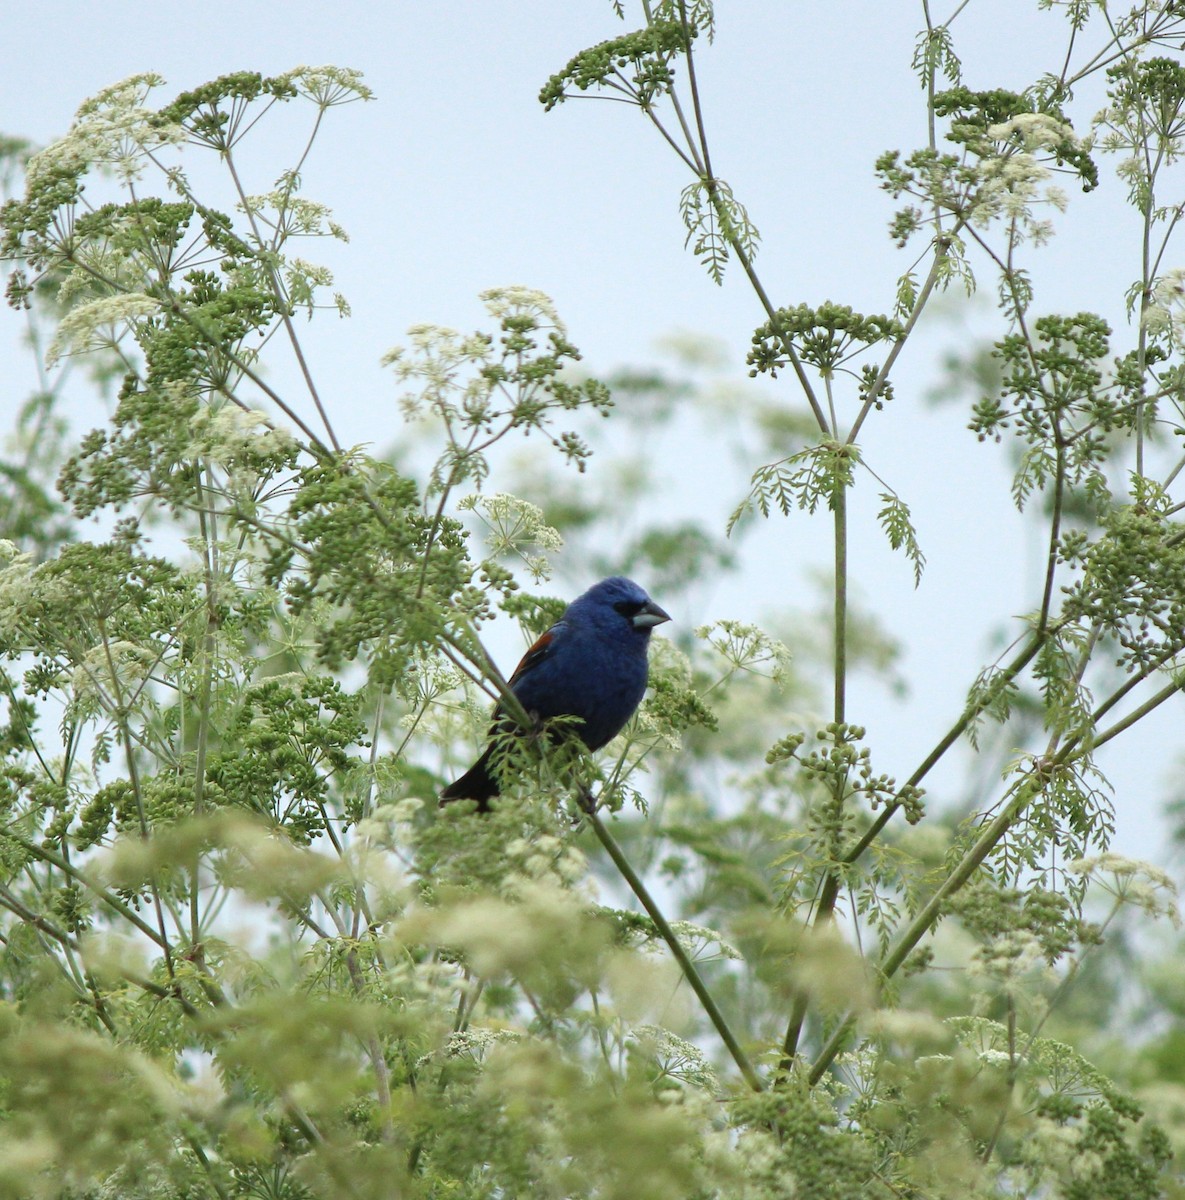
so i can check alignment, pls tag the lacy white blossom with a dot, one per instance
(678, 1058)
(748, 648)
(440, 355)
(228, 434)
(18, 588)
(907, 1027)
(424, 679)
(328, 86)
(1131, 881)
(314, 274)
(297, 215)
(1036, 131)
(99, 324)
(544, 860)
(112, 669)
(1012, 184)
(696, 939)
(514, 526)
(1165, 313)
(113, 128)
(517, 300)
(1009, 958)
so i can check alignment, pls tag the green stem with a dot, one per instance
(831, 883)
(928, 916)
(709, 180)
(840, 499)
(681, 956)
(123, 726)
(284, 304)
(951, 736)
(45, 854)
(940, 250)
(1023, 792)
(1138, 714)
(1055, 527)
(207, 521)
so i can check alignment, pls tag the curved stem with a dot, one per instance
(1023, 792)
(829, 893)
(125, 911)
(681, 956)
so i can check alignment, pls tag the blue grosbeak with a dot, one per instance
(591, 665)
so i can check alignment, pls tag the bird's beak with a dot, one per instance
(649, 615)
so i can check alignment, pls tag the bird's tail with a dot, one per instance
(476, 784)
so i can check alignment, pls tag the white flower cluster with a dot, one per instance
(99, 324)
(1164, 315)
(546, 860)
(307, 275)
(1035, 131)
(507, 935)
(328, 86)
(113, 128)
(1014, 182)
(675, 1056)
(17, 588)
(512, 527)
(110, 671)
(1013, 963)
(296, 214)
(391, 826)
(1132, 881)
(1010, 187)
(516, 300)
(423, 680)
(441, 354)
(747, 648)
(696, 939)
(229, 435)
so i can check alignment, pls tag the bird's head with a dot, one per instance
(618, 599)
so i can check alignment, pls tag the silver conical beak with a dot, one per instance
(649, 615)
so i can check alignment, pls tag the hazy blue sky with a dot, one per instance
(454, 180)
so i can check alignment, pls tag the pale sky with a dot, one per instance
(454, 180)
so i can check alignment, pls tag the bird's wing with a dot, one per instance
(534, 656)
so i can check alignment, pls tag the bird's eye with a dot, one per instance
(629, 608)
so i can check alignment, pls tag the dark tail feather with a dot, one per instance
(476, 784)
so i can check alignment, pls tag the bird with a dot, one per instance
(591, 665)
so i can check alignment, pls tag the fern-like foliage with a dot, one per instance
(804, 480)
(895, 520)
(717, 224)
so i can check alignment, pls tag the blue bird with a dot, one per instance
(591, 665)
